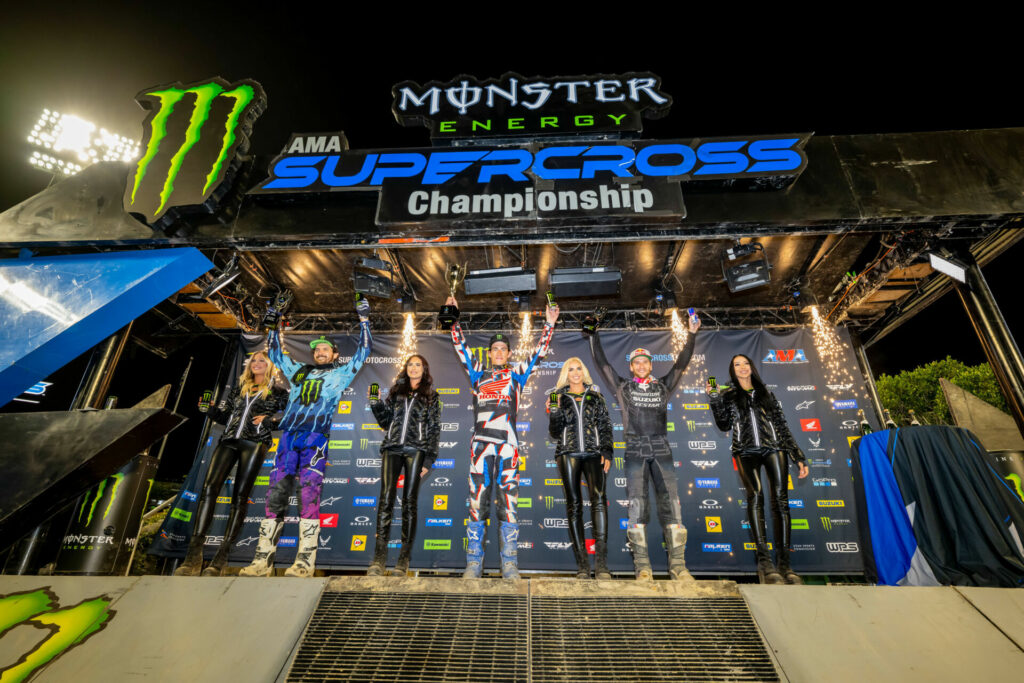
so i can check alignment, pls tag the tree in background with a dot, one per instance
(919, 389)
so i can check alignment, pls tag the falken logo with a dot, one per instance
(364, 501)
(842, 547)
(785, 356)
(367, 462)
(708, 483)
(211, 136)
(801, 387)
(804, 405)
(703, 464)
(443, 464)
(449, 426)
(717, 547)
(811, 424)
(702, 445)
(344, 426)
(188, 495)
(439, 521)
(845, 404)
(367, 480)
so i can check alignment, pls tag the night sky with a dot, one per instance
(327, 69)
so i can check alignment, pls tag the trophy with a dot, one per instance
(448, 313)
(276, 308)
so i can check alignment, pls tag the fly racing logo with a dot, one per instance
(804, 405)
(558, 545)
(212, 135)
(367, 480)
(840, 387)
(704, 464)
(449, 444)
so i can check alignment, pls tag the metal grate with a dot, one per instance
(645, 639)
(411, 637)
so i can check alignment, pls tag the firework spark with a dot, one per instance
(409, 342)
(832, 355)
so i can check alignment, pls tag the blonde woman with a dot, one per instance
(247, 414)
(580, 425)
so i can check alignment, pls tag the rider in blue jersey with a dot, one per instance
(313, 399)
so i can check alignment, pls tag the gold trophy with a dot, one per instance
(448, 313)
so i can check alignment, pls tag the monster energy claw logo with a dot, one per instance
(310, 391)
(188, 154)
(91, 507)
(68, 626)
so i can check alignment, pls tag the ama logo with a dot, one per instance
(785, 356)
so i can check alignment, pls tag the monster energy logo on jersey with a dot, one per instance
(191, 152)
(310, 392)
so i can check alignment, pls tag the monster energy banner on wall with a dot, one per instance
(821, 409)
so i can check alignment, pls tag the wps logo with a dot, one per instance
(67, 627)
(842, 547)
(812, 424)
(713, 524)
(555, 523)
(449, 426)
(702, 445)
(785, 356)
(190, 153)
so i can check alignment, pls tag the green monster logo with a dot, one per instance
(118, 478)
(187, 156)
(1015, 480)
(68, 626)
(310, 392)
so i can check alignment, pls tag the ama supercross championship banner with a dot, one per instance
(820, 390)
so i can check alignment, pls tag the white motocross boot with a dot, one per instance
(305, 559)
(266, 549)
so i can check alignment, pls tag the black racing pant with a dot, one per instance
(572, 471)
(649, 459)
(749, 464)
(248, 456)
(391, 465)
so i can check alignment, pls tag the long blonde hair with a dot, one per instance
(563, 378)
(249, 381)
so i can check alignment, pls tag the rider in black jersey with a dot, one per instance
(643, 401)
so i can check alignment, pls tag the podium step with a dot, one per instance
(532, 631)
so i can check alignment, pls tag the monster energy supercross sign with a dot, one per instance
(192, 139)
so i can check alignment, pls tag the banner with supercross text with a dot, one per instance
(820, 391)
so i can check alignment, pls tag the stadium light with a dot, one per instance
(65, 144)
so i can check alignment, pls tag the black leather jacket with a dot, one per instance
(240, 410)
(410, 421)
(754, 426)
(568, 419)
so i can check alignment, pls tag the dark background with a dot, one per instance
(326, 68)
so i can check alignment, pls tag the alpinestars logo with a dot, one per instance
(189, 154)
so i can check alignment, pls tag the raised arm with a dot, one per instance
(671, 379)
(459, 341)
(611, 378)
(525, 369)
(275, 346)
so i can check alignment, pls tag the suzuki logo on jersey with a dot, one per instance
(785, 356)
(329, 521)
(811, 424)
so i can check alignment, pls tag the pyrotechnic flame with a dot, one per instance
(409, 342)
(679, 333)
(524, 345)
(695, 372)
(831, 354)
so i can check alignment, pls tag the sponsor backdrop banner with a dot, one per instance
(820, 397)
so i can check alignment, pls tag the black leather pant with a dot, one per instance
(774, 464)
(392, 464)
(649, 460)
(572, 471)
(248, 455)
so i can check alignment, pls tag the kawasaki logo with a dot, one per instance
(64, 627)
(211, 135)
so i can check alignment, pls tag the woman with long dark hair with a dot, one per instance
(760, 440)
(582, 430)
(248, 418)
(411, 419)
